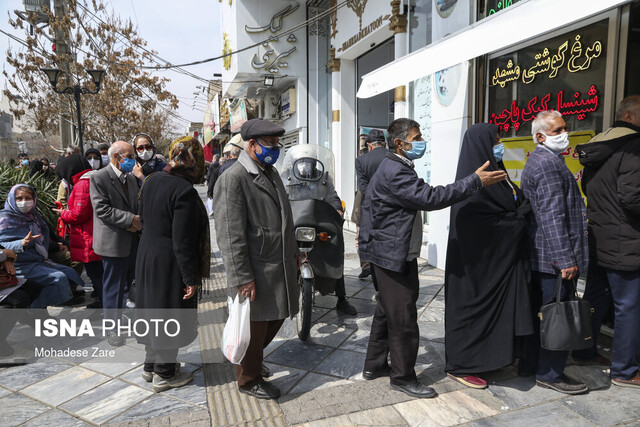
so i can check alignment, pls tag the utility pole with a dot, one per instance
(62, 50)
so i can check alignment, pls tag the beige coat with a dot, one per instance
(254, 230)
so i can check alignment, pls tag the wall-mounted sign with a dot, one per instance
(494, 6)
(565, 73)
(574, 61)
(237, 114)
(288, 102)
(521, 112)
(362, 22)
(226, 50)
(445, 7)
(446, 83)
(272, 61)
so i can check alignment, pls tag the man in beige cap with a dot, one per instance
(233, 147)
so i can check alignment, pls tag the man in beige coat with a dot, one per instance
(254, 229)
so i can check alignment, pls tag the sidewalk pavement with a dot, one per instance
(320, 380)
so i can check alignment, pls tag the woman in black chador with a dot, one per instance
(487, 271)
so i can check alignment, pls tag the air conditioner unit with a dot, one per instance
(288, 102)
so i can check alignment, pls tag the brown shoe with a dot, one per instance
(568, 386)
(599, 360)
(633, 382)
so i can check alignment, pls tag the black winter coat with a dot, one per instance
(391, 202)
(611, 182)
(169, 256)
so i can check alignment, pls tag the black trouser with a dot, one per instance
(340, 290)
(95, 272)
(394, 329)
(161, 362)
(19, 298)
(249, 371)
(598, 293)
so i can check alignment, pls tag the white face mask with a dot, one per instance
(557, 142)
(95, 163)
(145, 155)
(105, 159)
(24, 206)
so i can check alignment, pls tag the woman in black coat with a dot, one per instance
(487, 269)
(172, 259)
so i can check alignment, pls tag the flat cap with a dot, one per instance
(375, 136)
(260, 127)
(234, 142)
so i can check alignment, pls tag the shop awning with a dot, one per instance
(520, 22)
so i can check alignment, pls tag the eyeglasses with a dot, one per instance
(144, 147)
(276, 146)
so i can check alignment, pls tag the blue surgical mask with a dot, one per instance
(498, 151)
(269, 155)
(24, 162)
(417, 149)
(127, 165)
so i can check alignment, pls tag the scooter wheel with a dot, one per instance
(303, 320)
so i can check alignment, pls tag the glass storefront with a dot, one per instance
(565, 73)
(377, 111)
(419, 24)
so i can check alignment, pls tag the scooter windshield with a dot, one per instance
(307, 172)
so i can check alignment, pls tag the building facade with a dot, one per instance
(447, 64)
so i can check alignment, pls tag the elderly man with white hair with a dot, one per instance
(114, 191)
(558, 239)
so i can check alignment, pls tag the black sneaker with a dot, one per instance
(262, 390)
(344, 308)
(116, 340)
(366, 272)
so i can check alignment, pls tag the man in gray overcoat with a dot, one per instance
(254, 229)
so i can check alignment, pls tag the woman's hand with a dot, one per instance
(58, 211)
(29, 238)
(137, 171)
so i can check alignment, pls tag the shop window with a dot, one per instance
(565, 73)
(419, 23)
(632, 86)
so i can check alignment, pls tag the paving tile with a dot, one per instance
(431, 353)
(367, 293)
(371, 417)
(324, 301)
(358, 341)
(195, 392)
(55, 417)
(56, 389)
(432, 331)
(18, 377)
(106, 401)
(550, 414)
(595, 377)
(273, 345)
(518, 392)
(343, 364)
(299, 355)
(448, 409)
(284, 377)
(313, 381)
(191, 354)
(4, 392)
(16, 409)
(616, 405)
(433, 314)
(318, 312)
(158, 405)
(329, 334)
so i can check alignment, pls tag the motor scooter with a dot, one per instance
(307, 175)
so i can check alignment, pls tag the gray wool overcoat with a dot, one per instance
(254, 231)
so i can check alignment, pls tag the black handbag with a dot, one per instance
(566, 325)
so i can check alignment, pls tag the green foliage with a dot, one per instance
(47, 190)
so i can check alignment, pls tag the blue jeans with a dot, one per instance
(625, 291)
(54, 279)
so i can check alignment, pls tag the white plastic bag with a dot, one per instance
(237, 332)
(209, 205)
